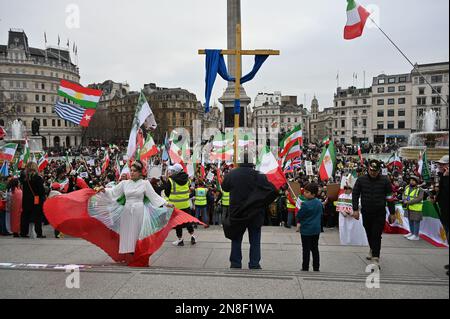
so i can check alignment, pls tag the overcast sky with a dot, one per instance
(144, 41)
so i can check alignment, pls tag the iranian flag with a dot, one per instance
(85, 97)
(395, 162)
(268, 165)
(8, 151)
(294, 137)
(431, 229)
(175, 153)
(360, 155)
(149, 149)
(423, 166)
(43, 162)
(327, 162)
(357, 16)
(224, 154)
(24, 158)
(293, 153)
(106, 162)
(143, 115)
(326, 141)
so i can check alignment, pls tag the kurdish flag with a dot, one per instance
(327, 162)
(8, 151)
(357, 16)
(269, 166)
(85, 97)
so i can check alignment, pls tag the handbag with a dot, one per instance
(36, 198)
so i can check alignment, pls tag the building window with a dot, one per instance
(421, 91)
(436, 100)
(44, 109)
(380, 102)
(421, 101)
(355, 112)
(364, 123)
(335, 123)
(38, 110)
(43, 98)
(401, 112)
(421, 80)
(342, 123)
(380, 90)
(53, 122)
(381, 81)
(342, 132)
(391, 80)
(402, 79)
(37, 98)
(364, 101)
(402, 100)
(364, 112)
(380, 113)
(391, 101)
(391, 125)
(402, 88)
(355, 122)
(380, 125)
(59, 123)
(436, 79)
(401, 124)
(437, 89)
(42, 86)
(391, 89)
(342, 112)
(343, 103)
(44, 122)
(391, 113)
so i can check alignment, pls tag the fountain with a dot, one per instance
(16, 133)
(436, 143)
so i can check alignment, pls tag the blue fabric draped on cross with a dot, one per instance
(215, 64)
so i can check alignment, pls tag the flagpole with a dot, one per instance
(407, 59)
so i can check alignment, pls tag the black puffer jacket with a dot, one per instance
(373, 193)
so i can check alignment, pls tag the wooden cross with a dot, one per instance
(238, 52)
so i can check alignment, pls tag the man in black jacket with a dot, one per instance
(442, 196)
(250, 195)
(374, 190)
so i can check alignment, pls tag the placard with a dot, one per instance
(309, 168)
(155, 171)
(333, 191)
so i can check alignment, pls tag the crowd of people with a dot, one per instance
(209, 201)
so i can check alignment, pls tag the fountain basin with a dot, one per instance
(433, 154)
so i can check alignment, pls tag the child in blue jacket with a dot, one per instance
(309, 219)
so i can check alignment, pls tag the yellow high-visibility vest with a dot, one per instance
(179, 195)
(200, 196)
(225, 198)
(289, 205)
(413, 195)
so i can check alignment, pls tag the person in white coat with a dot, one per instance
(134, 190)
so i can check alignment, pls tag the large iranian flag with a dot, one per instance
(85, 97)
(268, 165)
(431, 229)
(423, 167)
(357, 16)
(327, 162)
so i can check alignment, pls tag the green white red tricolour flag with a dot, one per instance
(357, 17)
(327, 162)
(25, 157)
(8, 151)
(268, 165)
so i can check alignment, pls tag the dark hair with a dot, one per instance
(313, 188)
(138, 166)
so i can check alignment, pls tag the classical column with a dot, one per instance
(234, 18)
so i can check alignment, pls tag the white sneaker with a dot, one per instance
(407, 235)
(414, 237)
(178, 242)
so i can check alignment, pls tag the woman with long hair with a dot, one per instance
(32, 200)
